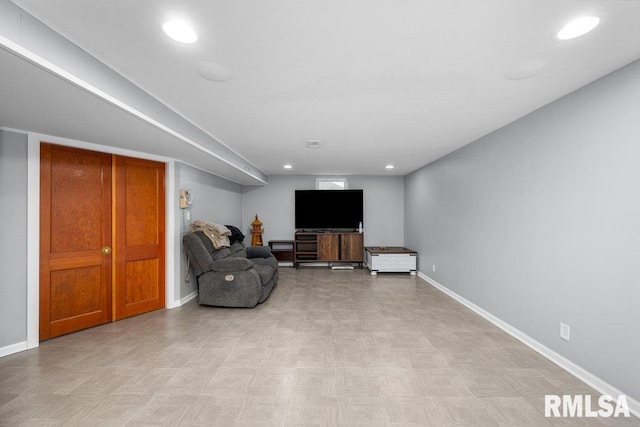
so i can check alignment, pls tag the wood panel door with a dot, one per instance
(328, 246)
(351, 247)
(139, 236)
(75, 230)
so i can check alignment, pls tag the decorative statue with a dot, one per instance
(256, 231)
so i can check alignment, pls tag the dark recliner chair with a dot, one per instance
(236, 276)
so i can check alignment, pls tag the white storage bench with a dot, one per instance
(390, 259)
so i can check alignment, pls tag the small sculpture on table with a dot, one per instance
(256, 231)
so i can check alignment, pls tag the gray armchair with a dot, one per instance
(238, 276)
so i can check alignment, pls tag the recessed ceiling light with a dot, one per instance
(180, 31)
(287, 166)
(578, 27)
(389, 167)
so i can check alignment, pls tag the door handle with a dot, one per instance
(106, 250)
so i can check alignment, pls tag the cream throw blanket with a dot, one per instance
(218, 234)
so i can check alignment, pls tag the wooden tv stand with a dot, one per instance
(328, 246)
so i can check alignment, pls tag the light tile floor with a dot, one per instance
(327, 348)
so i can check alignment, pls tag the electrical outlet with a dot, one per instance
(433, 268)
(565, 331)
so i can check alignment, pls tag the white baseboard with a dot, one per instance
(13, 348)
(575, 370)
(188, 298)
(182, 301)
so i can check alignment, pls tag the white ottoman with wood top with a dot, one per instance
(390, 259)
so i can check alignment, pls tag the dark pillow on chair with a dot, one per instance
(236, 234)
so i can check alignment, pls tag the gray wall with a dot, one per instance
(13, 244)
(539, 223)
(274, 204)
(215, 199)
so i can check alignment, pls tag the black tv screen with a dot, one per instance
(328, 209)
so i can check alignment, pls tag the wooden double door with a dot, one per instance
(102, 255)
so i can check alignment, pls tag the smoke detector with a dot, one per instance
(313, 143)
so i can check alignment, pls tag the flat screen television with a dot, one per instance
(328, 209)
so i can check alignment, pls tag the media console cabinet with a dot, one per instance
(328, 246)
(390, 259)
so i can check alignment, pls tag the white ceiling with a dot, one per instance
(376, 82)
(50, 105)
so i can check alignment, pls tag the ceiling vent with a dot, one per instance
(313, 143)
(213, 72)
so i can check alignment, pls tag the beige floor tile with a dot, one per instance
(263, 411)
(361, 411)
(328, 348)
